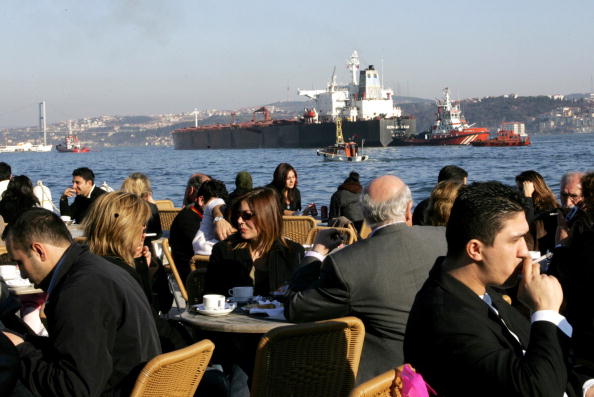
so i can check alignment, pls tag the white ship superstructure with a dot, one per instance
(364, 98)
(449, 116)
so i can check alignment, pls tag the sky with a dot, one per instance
(140, 57)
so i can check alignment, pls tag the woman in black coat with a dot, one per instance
(257, 255)
(284, 181)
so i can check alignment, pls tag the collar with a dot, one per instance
(375, 229)
(91, 191)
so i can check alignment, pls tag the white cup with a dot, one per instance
(213, 302)
(242, 293)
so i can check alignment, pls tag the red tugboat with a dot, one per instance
(71, 144)
(450, 128)
(509, 134)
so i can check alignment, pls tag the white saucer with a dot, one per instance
(229, 307)
(241, 298)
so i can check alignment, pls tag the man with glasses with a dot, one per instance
(571, 201)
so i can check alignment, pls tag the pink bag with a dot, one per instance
(412, 383)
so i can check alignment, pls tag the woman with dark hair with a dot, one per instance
(345, 201)
(284, 181)
(257, 255)
(17, 198)
(540, 206)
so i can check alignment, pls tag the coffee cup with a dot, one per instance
(241, 293)
(213, 302)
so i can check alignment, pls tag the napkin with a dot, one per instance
(276, 313)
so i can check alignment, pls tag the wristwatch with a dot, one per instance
(217, 218)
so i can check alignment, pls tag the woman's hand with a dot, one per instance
(527, 188)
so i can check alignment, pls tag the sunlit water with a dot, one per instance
(169, 169)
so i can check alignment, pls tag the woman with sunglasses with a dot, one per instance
(257, 255)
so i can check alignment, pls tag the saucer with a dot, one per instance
(240, 298)
(229, 307)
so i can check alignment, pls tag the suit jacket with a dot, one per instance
(462, 348)
(374, 279)
(78, 209)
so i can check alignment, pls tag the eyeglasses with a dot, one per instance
(572, 196)
(246, 215)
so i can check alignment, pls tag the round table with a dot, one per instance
(233, 322)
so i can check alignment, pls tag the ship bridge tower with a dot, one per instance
(369, 84)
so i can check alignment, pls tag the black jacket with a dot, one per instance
(101, 331)
(183, 230)
(78, 209)
(230, 268)
(345, 202)
(462, 348)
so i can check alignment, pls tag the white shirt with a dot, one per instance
(205, 238)
(3, 186)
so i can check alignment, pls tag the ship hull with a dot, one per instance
(454, 138)
(286, 134)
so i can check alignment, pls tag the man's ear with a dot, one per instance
(474, 250)
(39, 249)
(408, 213)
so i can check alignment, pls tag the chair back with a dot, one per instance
(296, 227)
(167, 216)
(349, 232)
(197, 278)
(177, 373)
(173, 269)
(402, 381)
(310, 359)
(164, 204)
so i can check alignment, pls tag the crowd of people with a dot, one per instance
(482, 287)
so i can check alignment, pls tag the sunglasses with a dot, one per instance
(246, 215)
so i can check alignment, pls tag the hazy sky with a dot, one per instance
(88, 58)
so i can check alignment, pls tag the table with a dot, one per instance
(233, 322)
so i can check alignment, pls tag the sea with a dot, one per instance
(169, 169)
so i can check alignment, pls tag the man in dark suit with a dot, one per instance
(461, 336)
(83, 187)
(374, 279)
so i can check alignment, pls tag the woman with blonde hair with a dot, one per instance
(137, 183)
(115, 227)
(257, 255)
(440, 203)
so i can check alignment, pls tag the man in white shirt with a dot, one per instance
(212, 194)
(462, 336)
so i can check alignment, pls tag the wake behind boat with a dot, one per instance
(341, 150)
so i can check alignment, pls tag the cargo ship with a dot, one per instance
(509, 134)
(367, 110)
(450, 128)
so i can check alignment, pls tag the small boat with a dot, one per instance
(509, 134)
(341, 150)
(450, 128)
(71, 144)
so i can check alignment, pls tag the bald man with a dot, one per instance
(375, 279)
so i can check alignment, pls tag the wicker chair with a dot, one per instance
(164, 204)
(177, 373)
(173, 269)
(347, 231)
(310, 359)
(297, 227)
(196, 279)
(388, 384)
(167, 217)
